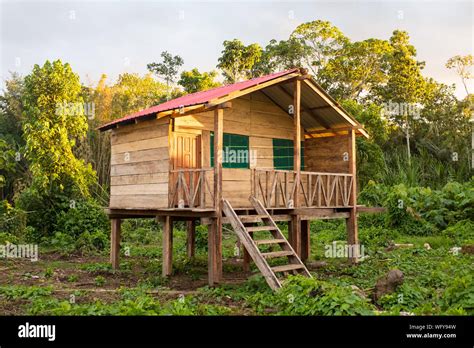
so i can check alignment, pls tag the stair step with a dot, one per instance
(269, 241)
(252, 218)
(260, 228)
(286, 268)
(277, 254)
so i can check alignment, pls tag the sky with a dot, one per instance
(114, 37)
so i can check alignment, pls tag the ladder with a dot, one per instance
(247, 236)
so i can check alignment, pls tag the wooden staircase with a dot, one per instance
(274, 239)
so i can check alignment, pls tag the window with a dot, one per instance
(236, 151)
(283, 154)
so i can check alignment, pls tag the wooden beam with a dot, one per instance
(296, 219)
(115, 235)
(335, 106)
(167, 266)
(191, 238)
(215, 235)
(320, 121)
(305, 240)
(260, 86)
(351, 222)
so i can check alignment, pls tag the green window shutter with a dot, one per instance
(236, 151)
(283, 154)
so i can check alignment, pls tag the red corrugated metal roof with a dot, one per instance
(197, 98)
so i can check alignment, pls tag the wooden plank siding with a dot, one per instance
(328, 155)
(253, 115)
(140, 165)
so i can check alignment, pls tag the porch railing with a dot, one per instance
(276, 188)
(190, 188)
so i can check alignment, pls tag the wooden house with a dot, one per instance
(272, 149)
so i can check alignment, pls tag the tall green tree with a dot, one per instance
(194, 81)
(405, 85)
(168, 69)
(54, 121)
(237, 60)
(361, 67)
(463, 67)
(321, 42)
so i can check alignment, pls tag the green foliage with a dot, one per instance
(99, 281)
(419, 210)
(459, 295)
(238, 60)
(80, 217)
(15, 292)
(306, 296)
(168, 69)
(462, 232)
(12, 221)
(194, 81)
(51, 131)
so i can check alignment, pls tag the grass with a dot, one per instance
(435, 281)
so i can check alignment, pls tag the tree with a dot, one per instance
(194, 81)
(321, 42)
(463, 67)
(133, 92)
(361, 67)
(405, 85)
(54, 120)
(168, 69)
(238, 60)
(280, 55)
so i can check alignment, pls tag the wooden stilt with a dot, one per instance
(305, 240)
(191, 238)
(167, 268)
(295, 233)
(351, 222)
(115, 235)
(215, 230)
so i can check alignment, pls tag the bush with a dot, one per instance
(12, 222)
(420, 210)
(306, 296)
(459, 295)
(81, 217)
(461, 233)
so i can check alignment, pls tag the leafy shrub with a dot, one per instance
(405, 298)
(459, 295)
(420, 210)
(306, 296)
(376, 236)
(12, 222)
(82, 216)
(95, 241)
(462, 232)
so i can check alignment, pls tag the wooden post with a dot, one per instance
(215, 230)
(191, 238)
(295, 219)
(351, 222)
(115, 242)
(305, 240)
(167, 266)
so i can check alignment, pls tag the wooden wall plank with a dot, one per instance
(140, 145)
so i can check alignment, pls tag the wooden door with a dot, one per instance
(187, 151)
(187, 155)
